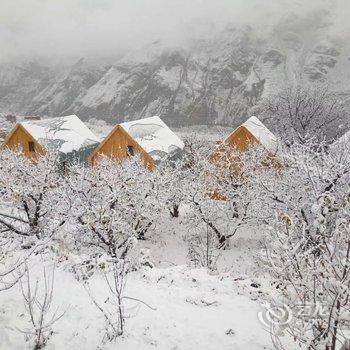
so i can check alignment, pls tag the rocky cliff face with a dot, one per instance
(210, 81)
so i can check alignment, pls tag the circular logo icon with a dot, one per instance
(275, 315)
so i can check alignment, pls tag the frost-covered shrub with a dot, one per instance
(32, 203)
(113, 204)
(307, 210)
(303, 113)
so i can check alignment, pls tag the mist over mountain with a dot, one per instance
(213, 75)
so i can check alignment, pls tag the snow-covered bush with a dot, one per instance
(32, 207)
(113, 308)
(304, 112)
(38, 297)
(11, 265)
(307, 209)
(221, 194)
(113, 204)
(31, 211)
(173, 177)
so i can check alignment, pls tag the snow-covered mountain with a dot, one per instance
(214, 80)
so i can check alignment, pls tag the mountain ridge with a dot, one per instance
(210, 81)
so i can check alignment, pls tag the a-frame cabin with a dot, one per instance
(149, 138)
(68, 136)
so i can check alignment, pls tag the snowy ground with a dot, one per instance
(194, 309)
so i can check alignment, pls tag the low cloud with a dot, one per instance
(106, 28)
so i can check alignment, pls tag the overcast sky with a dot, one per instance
(39, 28)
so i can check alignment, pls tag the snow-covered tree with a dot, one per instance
(113, 204)
(221, 194)
(302, 113)
(30, 196)
(307, 210)
(173, 177)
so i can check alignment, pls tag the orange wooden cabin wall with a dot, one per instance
(225, 156)
(19, 139)
(239, 141)
(115, 146)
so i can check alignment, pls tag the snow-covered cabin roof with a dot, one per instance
(343, 142)
(64, 134)
(154, 136)
(344, 138)
(261, 133)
